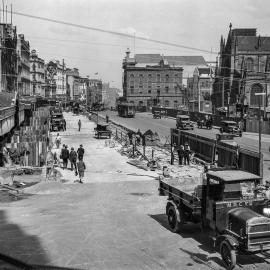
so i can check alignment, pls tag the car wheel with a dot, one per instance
(174, 224)
(228, 254)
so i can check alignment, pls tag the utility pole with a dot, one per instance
(222, 92)
(260, 95)
(63, 64)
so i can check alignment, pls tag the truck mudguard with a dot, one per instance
(231, 240)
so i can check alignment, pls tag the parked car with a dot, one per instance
(157, 114)
(183, 122)
(230, 127)
(102, 130)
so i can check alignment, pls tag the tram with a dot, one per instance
(126, 110)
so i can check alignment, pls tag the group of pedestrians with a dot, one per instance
(75, 158)
(183, 152)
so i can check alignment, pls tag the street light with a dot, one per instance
(260, 126)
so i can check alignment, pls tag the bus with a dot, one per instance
(126, 110)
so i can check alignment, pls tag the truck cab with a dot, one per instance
(229, 203)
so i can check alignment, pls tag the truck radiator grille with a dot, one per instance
(260, 228)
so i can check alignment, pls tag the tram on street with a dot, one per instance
(126, 110)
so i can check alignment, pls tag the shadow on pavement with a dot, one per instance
(19, 250)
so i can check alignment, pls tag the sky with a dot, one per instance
(192, 23)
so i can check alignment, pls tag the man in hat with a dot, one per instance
(186, 153)
(73, 158)
(65, 156)
(80, 152)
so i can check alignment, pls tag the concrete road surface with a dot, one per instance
(115, 220)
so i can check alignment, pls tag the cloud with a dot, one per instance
(131, 31)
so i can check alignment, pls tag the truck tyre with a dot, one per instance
(174, 224)
(228, 254)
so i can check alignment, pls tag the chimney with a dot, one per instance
(127, 53)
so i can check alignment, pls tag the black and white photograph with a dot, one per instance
(134, 135)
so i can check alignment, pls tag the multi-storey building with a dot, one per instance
(55, 80)
(152, 79)
(200, 92)
(109, 96)
(93, 92)
(37, 70)
(242, 69)
(8, 56)
(23, 51)
(73, 77)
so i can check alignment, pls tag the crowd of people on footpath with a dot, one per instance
(75, 158)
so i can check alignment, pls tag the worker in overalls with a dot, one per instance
(186, 153)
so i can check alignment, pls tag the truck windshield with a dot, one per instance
(242, 190)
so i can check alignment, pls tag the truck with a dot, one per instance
(228, 203)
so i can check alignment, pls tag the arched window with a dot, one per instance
(167, 103)
(132, 76)
(175, 104)
(254, 100)
(140, 103)
(167, 78)
(158, 77)
(250, 64)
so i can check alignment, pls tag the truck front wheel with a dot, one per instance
(172, 219)
(228, 254)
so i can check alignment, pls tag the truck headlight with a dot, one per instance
(266, 212)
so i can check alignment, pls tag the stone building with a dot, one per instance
(73, 77)
(23, 57)
(152, 79)
(93, 92)
(200, 86)
(242, 70)
(110, 96)
(37, 70)
(55, 80)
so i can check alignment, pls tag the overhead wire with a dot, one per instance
(108, 31)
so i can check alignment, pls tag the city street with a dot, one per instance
(145, 121)
(115, 220)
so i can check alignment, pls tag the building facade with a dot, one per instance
(8, 56)
(73, 77)
(23, 56)
(242, 70)
(37, 70)
(55, 80)
(150, 84)
(109, 96)
(153, 79)
(200, 92)
(93, 92)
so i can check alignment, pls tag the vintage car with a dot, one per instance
(102, 130)
(157, 114)
(207, 123)
(57, 122)
(230, 127)
(229, 202)
(183, 122)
